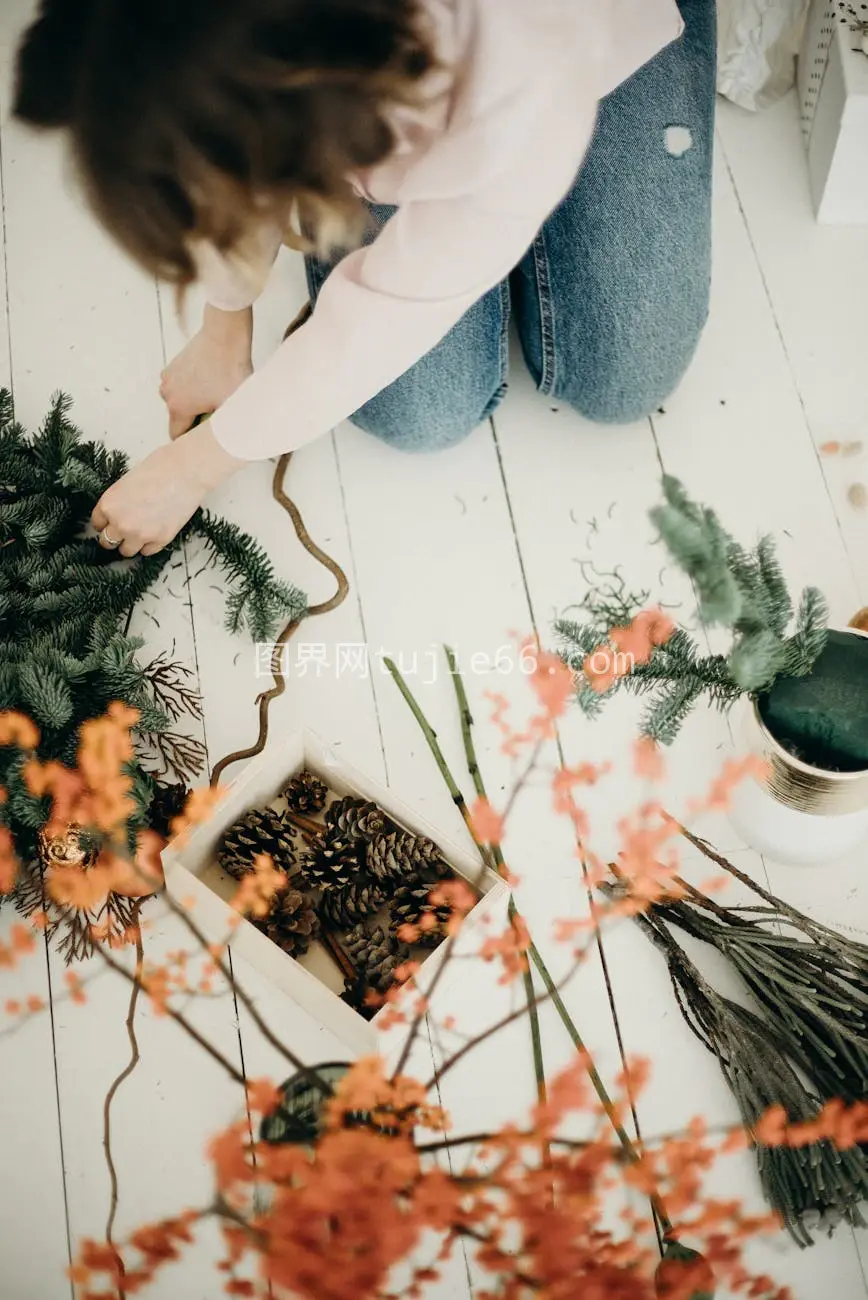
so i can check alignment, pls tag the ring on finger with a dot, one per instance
(107, 542)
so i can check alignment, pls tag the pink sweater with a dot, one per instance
(475, 174)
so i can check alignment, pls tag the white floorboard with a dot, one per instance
(470, 548)
(90, 325)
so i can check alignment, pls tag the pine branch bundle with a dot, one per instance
(741, 590)
(816, 1185)
(805, 1044)
(65, 601)
(811, 988)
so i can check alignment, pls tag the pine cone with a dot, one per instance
(342, 908)
(167, 803)
(375, 955)
(306, 793)
(332, 863)
(261, 830)
(355, 819)
(291, 923)
(400, 856)
(412, 905)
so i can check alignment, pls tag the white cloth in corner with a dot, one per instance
(757, 46)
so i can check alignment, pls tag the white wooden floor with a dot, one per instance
(466, 548)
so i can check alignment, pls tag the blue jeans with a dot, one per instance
(610, 299)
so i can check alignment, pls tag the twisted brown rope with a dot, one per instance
(110, 1096)
(264, 701)
(277, 673)
(324, 607)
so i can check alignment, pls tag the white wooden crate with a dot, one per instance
(833, 96)
(313, 981)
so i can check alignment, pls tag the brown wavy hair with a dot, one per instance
(193, 119)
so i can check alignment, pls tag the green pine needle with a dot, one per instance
(743, 591)
(260, 602)
(65, 603)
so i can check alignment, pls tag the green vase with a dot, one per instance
(822, 718)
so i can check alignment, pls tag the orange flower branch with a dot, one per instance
(246, 1001)
(335, 1218)
(154, 984)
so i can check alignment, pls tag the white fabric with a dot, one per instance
(757, 46)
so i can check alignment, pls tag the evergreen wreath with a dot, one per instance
(741, 590)
(65, 603)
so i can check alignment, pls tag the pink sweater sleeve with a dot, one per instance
(388, 304)
(231, 284)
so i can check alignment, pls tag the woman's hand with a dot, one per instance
(214, 363)
(146, 508)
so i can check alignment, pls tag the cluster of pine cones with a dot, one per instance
(343, 871)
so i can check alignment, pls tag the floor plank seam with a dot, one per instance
(243, 1063)
(358, 594)
(59, 1111)
(705, 636)
(435, 1047)
(188, 583)
(128, 1069)
(797, 388)
(610, 993)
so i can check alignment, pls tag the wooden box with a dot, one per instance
(313, 981)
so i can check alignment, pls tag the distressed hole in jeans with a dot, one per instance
(678, 140)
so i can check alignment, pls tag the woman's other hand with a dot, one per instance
(214, 363)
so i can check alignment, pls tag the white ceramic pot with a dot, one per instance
(794, 813)
(788, 835)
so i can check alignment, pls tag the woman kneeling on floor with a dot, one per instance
(446, 165)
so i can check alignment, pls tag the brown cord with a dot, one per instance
(324, 607)
(110, 1095)
(264, 704)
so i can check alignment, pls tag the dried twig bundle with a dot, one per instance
(810, 1186)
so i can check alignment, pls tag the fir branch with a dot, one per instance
(152, 720)
(778, 605)
(809, 638)
(65, 605)
(699, 546)
(45, 694)
(667, 712)
(7, 412)
(259, 601)
(741, 590)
